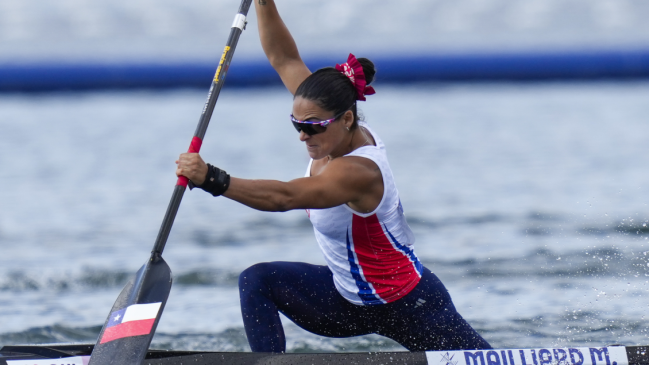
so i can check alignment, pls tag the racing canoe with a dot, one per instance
(78, 354)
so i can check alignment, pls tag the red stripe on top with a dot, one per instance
(389, 270)
(194, 147)
(128, 329)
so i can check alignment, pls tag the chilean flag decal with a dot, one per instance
(134, 320)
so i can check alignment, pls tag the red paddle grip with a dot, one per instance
(194, 147)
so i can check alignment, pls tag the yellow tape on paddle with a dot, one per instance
(218, 70)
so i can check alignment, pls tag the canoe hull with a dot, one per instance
(611, 355)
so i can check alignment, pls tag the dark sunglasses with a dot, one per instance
(312, 127)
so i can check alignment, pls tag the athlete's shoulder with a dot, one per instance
(358, 164)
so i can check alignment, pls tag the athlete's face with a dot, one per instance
(332, 138)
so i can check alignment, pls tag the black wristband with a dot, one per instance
(216, 181)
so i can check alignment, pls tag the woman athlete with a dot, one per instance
(373, 281)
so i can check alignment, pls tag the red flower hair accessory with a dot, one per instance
(354, 71)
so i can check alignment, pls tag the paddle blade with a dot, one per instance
(134, 317)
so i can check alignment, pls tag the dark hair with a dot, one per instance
(331, 90)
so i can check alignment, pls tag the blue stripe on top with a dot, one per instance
(407, 251)
(365, 292)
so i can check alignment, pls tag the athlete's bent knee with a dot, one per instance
(255, 275)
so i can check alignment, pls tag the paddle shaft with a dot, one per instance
(203, 123)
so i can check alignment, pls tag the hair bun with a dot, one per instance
(368, 69)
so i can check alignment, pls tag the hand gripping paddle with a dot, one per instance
(129, 328)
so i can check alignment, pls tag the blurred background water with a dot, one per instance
(167, 30)
(528, 200)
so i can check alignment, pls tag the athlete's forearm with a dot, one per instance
(265, 195)
(276, 40)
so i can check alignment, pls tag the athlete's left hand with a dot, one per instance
(192, 166)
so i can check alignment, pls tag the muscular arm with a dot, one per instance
(345, 180)
(279, 46)
(354, 180)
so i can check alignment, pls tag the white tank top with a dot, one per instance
(370, 255)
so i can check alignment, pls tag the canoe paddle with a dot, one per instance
(129, 328)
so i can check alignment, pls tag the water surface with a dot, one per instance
(529, 201)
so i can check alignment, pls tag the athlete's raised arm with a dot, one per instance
(279, 46)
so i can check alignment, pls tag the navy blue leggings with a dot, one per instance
(306, 294)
